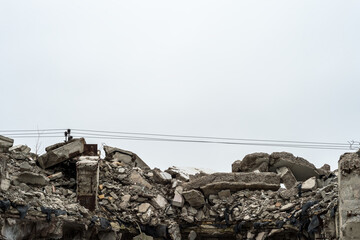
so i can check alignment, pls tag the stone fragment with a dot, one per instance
(184, 174)
(136, 178)
(5, 184)
(261, 236)
(20, 148)
(252, 162)
(5, 143)
(159, 202)
(161, 177)
(174, 231)
(25, 166)
(112, 194)
(194, 197)
(309, 184)
(224, 194)
(286, 177)
(143, 236)
(24, 187)
(124, 156)
(69, 150)
(300, 167)
(178, 200)
(32, 178)
(192, 235)
(212, 184)
(55, 176)
(287, 207)
(87, 172)
(289, 193)
(143, 207)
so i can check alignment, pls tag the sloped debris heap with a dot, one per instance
(44, 197)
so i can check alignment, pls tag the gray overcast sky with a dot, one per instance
(284, 70)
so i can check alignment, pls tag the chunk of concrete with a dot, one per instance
(309, 184)
(300, 167)
(178, 200)
(161, 177)
(224, 194)
(143, 236)
(5, 184)
(144, 207)
(33, 178)
(212, 184)
(194, 197)
(137, 179)
(5, 143)
(252, 162)
(286, 177)
(159, 202)
(20, 148)
(124, 156)
(69, 150)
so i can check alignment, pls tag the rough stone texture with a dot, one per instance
(136, 178)
(349, 196)
(212, 184)
(309, 184)
(224, 194)
(287, 177)
(194, 198)
(125, 157)
(178, 200)
(32, 178)
(20, 148)
(300, 167)
(252, 162)
(5, 143)
(144, 207)
(69, 150)
(161, 177)
(159, 202)
(143, 236)
(87, 183)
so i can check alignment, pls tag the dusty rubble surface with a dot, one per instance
(39, 197)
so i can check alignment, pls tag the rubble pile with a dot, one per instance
(71, 193)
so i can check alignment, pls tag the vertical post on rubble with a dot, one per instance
(87, 183)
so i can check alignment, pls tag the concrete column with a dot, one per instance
(87, 172)
(349, 196)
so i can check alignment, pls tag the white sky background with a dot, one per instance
(286, 70)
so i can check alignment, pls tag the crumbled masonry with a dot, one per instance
(71, 193)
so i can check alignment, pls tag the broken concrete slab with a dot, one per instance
(5, 143)
(252, 162)
(194, 197)
(301, 168)
(137, 179)
(144, 207)
(159, 202)
(68, 150)
(124, 156)
(309, 184)
(185, 173)
(178, 200)
(212, 184)
(56, 176)
(20, 148)
(161, 177)
(286, 177)
(33, 178)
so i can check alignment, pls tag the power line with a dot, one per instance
(97, 134)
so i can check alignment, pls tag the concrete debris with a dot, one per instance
(287, 177)
(252, 162)
(60, 154)
(32, 178)
(194, 198)
(309, 184)
(5, 144)
(125, 157)
(74, 196)
(20, 148)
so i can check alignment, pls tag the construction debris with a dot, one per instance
(69, 195)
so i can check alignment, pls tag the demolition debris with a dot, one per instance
(71, 193)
